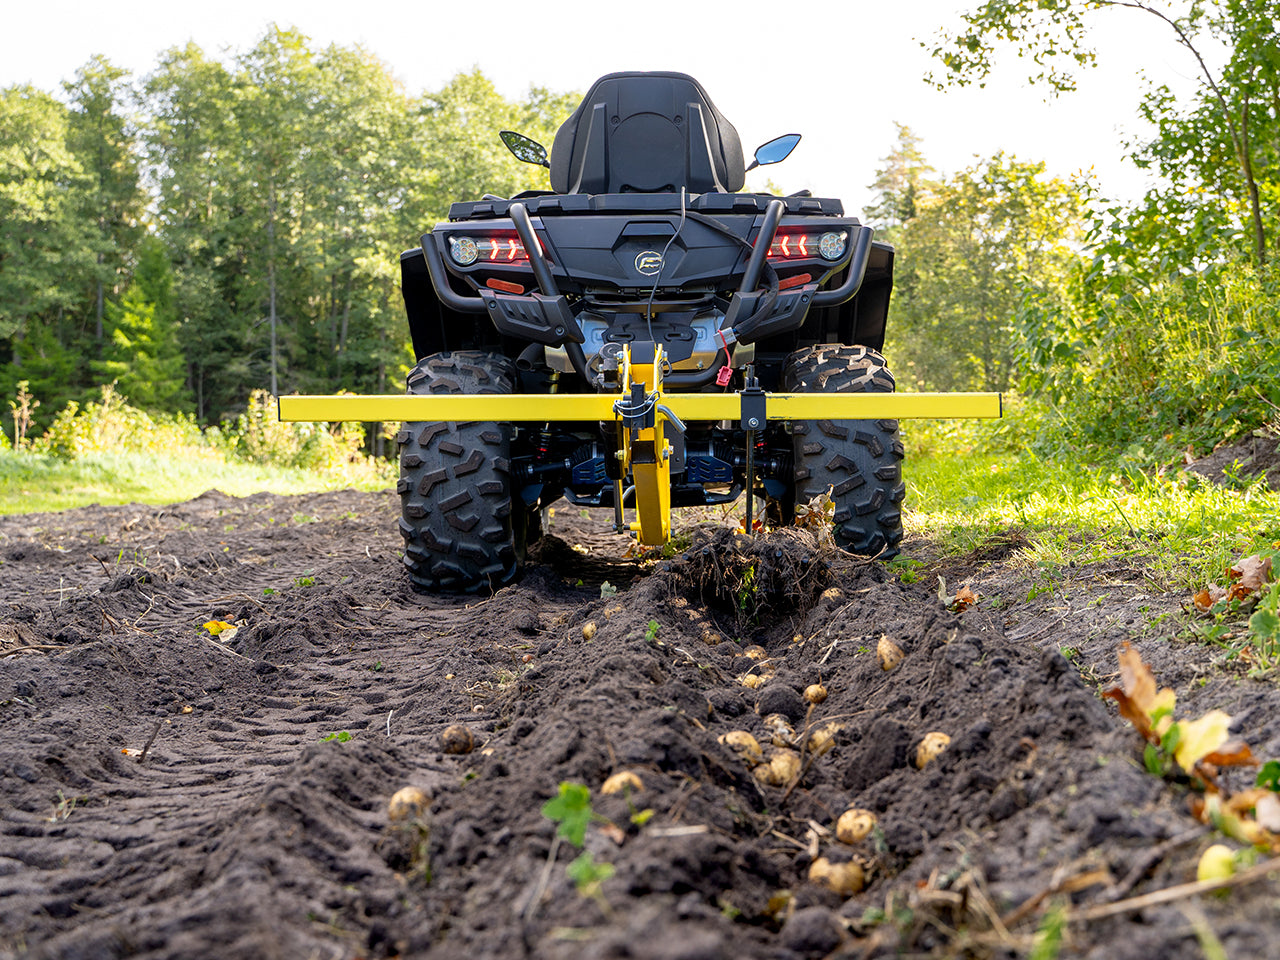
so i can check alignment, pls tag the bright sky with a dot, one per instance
(840, 74)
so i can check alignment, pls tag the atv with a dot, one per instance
(642, 335)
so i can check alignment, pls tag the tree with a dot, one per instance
(1236, 114)
(900, 183)
(41, 242)
(103, 140)
(980, 246)
(143, 355)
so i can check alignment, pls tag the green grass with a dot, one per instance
(33, 483)
(1180, 529)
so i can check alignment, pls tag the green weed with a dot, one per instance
(342, 736)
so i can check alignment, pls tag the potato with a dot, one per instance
(854, 825)
(751, 680)
(457, 739)
(845, 879)
(755, 652)
(831, 593)
(588, 630)
(781, 769)
(1216, 863)
(824, 738)
(407, 802)
(744, 745)
(931, 748)
(623, 780)
(815, 693)
(890, 654)
(781, 732)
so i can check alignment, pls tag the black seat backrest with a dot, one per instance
(646, 132)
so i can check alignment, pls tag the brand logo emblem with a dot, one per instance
(649, 262)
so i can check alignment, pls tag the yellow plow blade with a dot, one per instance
(596, 407)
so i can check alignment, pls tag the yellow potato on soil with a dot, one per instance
(1216, 863)
(845, 879)
(751, 680)
(855, 825)
(623, 780)
(781, 769)
(931, 748)
(744, 745)
(457, 739)
(890, 654)
(815, 693)
(824, 738)
(755, 652)
(407, 802)
(588, 630)
(831, 593)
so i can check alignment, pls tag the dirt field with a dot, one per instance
(166, 794)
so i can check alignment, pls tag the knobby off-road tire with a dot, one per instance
(859, 460)
(460, 530)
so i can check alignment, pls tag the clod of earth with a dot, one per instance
(622, 780)
(406, 803)
(457, 739)
(845, 879)
(890, 654)
(931, 747)
(855, 825)
(744, 745)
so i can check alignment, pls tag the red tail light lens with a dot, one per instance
(807, 246)
(467, 250)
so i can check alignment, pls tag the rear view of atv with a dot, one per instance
(642, 336)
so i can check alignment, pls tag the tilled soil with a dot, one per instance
(169, 794)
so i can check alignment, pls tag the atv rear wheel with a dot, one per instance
(455, 485)
(858, 460)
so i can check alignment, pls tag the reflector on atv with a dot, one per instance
(683, 342)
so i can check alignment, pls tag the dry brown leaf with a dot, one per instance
(964, 599)
(1206, 598)
(1251, 573)
(1233, 754)
(1137, 696)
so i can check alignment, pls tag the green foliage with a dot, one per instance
(571, 809)
(1269, 775)
(651, 631)
(976, 248)
(342, 736)
(587, 875)
(143, 355)
(1264, 627)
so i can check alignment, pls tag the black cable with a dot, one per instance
(662, 265)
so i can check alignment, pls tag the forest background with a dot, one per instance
(224, 228)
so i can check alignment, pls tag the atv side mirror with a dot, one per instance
(775, 151)
(526, 149)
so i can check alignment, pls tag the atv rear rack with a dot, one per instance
(643, 415)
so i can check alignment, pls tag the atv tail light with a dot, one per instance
(467, 250)
(806, 246)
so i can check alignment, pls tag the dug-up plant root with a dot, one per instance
(758, 578)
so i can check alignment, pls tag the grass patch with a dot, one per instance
(34, 483)
(967, 487)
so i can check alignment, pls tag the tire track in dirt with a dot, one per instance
(243, 833)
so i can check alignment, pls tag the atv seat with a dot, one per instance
(646, 133)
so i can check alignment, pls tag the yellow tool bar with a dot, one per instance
(597, 406)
